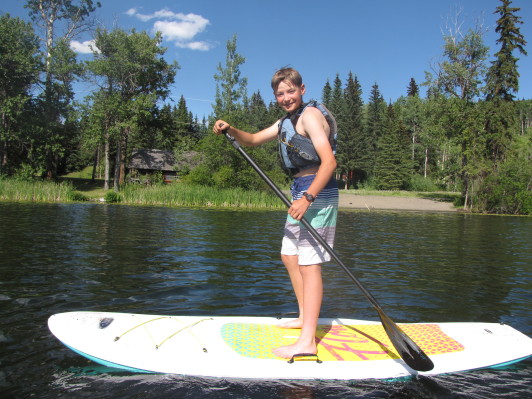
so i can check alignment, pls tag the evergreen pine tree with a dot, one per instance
(350, 132)
(412, 89)
(503, 77)
(275, 112)
(373, 130)
(183, 120)
(258, 113)
(392, 166)
(165, 124)
(327, 94)
(337, 99)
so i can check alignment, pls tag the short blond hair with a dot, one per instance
(288, 74)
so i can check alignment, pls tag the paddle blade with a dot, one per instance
(409, 351)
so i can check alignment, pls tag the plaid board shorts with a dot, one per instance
(321, 215)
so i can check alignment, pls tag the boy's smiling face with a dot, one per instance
(289, 97)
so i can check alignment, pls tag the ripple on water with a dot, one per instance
(420, 267)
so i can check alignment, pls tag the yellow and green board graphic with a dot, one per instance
(337, 342)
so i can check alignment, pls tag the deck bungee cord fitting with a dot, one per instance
(106, 321)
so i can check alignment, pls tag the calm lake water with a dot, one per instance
(419, 266)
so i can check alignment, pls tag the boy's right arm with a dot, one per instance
(245, 138)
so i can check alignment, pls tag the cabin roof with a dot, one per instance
(152, 160)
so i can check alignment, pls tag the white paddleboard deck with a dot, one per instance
(240, 347)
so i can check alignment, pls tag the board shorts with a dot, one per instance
(321, 215)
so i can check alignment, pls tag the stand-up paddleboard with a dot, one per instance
(240, 347)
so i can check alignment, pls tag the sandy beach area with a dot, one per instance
(375, 202)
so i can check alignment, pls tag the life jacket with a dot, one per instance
(297, 152)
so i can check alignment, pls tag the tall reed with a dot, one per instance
(177, 194)
(181, 194)
(37, 191)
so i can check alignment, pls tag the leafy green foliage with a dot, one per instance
(459, 74)
(53, 114)
(133, 75)
(231, 88)
(508, 189)
(20, 65)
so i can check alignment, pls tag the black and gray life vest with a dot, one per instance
(297, 152)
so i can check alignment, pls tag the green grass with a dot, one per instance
(82, 181)
(180, 194)
(92, 190)
(38, 191)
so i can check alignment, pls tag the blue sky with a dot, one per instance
(380, 41)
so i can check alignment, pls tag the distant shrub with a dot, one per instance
(112, 196)
(423, 184)
(76, 196)
(371, 183)
(507, 190)
(224, 177)
(201, 175)
(25, 173)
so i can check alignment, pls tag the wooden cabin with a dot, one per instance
(146, 162)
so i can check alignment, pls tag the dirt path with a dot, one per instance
(370, 202)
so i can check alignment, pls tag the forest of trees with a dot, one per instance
(469, 134)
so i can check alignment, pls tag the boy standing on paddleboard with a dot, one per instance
(306, 139)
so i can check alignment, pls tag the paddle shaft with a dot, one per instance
(408, 349)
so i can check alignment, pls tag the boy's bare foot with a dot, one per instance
(297, 323)
(286, 352)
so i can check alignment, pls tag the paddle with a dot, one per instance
(409, 351)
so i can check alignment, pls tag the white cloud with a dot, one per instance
(83, 47)
(131, 12)
(164, 13)
(178, 28)
(201, 46)
(172, 30)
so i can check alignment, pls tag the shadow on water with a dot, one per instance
(420, 267)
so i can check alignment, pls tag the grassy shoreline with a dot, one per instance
(79, 189)
(69, 190)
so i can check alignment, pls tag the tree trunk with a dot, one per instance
(413, 144)
(465, 178)
(116, 180)
(3, 146)
(95, 162)
(123, 158)
(425, 166)
(107, 163)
